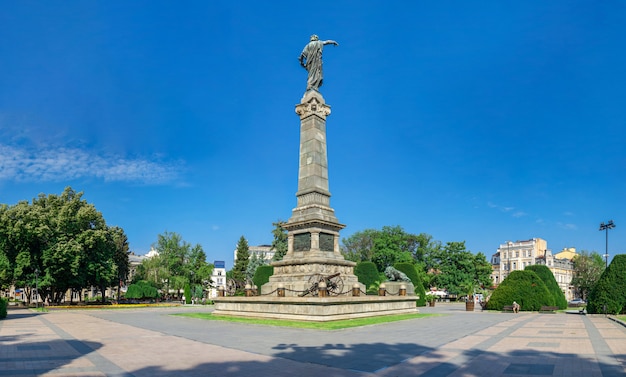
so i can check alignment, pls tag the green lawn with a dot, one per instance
(333, 325)
(622, 317)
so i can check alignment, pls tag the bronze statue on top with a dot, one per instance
(311, 60)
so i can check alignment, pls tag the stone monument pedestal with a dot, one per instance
(313, 247)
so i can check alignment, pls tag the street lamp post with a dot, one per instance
(609, 225)
(508, 257)
(36, 289)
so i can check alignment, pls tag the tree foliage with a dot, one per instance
(241, 263)
(448, 267)
(177, 264)
(254, 262)
(587, 270)
(384, 247)
(610, 290)
(548, 278)
(457, 269)
(524, 287)
(65, 239)
(279, 244)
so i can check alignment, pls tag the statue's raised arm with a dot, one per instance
(311, 60)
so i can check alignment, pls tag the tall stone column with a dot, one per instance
(313, 229)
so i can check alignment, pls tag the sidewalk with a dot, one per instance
(151, 342)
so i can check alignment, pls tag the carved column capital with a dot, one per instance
(313, 106)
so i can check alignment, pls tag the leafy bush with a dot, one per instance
(524, 287)
(141, 290)
(262, 275)
(548, 278)
(610, 290)
(368, 274)
(3, 307)
(410, 271)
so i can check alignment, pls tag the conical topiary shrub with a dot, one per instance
(524, 287)
(548, 278)
(610, 290)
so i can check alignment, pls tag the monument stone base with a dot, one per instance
(314, 309)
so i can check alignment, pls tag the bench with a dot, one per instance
(548, 309)
(508, 308)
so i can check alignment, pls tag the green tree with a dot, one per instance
(386, 247)
(62, 237)
(241, 263)
(548, 278)
(177, 264)
(279, 244)
(588, 266)
(524, 287)
(457, 267)
(609, 293)
(254, 262)
(359, 246)
(120, 257)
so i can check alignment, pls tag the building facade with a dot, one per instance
(264, 252)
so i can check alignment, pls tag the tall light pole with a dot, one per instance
(508, 257)
(606, 227)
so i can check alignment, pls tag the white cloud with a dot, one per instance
(567, 226)
(59, 164)
(503, 209)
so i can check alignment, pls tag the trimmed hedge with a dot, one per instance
(4, 303)
(262, 275)
(141, 290)
(524, 287)
(610, 290)
(368, 274)
(410, 271)
(187, 293)
(548, 278)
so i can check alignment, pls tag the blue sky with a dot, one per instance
(478, 122)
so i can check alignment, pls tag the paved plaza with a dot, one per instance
(152, 342)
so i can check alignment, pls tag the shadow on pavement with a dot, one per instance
(376, 358)
(40, 357)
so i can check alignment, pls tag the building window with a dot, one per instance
(514, 265)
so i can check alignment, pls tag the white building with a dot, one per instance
(262, 251)
(218, 277)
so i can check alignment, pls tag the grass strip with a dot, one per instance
(331, 325)
(111, 307)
